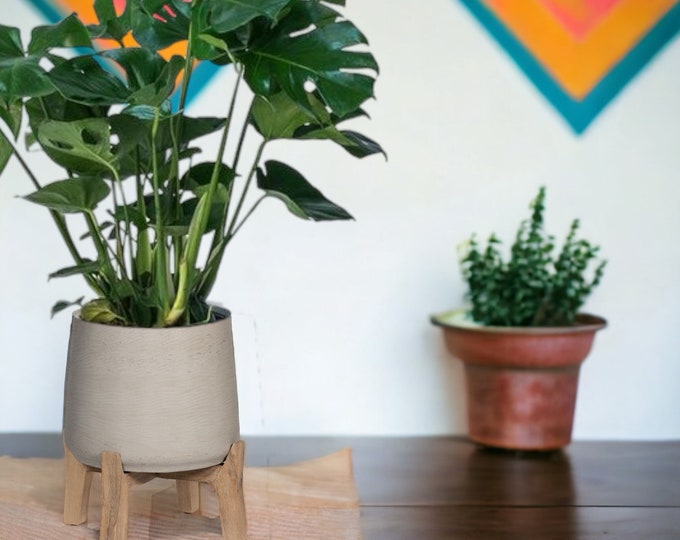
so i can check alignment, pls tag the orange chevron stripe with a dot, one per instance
(86, 13)
(83, 8)
(579, 65)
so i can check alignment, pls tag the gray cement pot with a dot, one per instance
(164, 398)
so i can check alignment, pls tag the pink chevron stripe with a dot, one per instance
(579, 17)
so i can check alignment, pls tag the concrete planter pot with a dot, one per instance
(164, 398)
(521, 382)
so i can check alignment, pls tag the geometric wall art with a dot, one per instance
(579, 53)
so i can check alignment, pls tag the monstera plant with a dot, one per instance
(106, 103)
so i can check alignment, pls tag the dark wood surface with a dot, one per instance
(432, 488)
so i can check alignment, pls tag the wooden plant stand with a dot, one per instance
(226, 479)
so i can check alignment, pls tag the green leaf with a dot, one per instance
(302, 199)
(302, 14)
(13, 115)
(73, 195)
(142, 66)
(150, 77)
(82, 146)
(84, 80)
(148, 112)
(105, 10)
(189, 208)
(133, 129)
(199, 176)
(56, 107)
(214, 42)
(22, 78)
(10, 43)
(355, 143)
(288, 60)
(278, 116)
(193, 128)
(157, 27)
(227, 15)
(6, 151)
(63, 304)
(135, 123)
(69, 32)
(99, 311)
(87, 267)
(110, 26)
(158, 92)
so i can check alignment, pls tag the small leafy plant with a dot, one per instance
(130, 159)
(535, 287)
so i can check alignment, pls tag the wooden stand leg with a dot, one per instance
(76, 490)
(188, 496)
(226, 479)
(228, 485)
(114, 523)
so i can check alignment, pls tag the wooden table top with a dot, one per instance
(432, 488)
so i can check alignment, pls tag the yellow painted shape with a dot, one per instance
(579, 65)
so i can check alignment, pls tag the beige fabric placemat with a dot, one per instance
(315, 499)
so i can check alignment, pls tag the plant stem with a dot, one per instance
(161, 277)
(188, 69)
(246, 188)
(198, 224)
(142, 262)
(242, 137)
(217, 252)
(128, 229)
(58, 218)
(101, 246)
(116, 230)
(218, 244)
(245, 218)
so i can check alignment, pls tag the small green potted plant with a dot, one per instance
(150, 370)
(523, 339)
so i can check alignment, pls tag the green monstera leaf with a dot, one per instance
(82, 146)
(227, 15)
(322, 58)
(302, 198)
(70, 32)
(71, 196)
(158, 24)
(10, 43)
(84, 80)
(111, 25)
(150, 78)
(280, 117)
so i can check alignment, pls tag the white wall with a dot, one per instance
(331, 320)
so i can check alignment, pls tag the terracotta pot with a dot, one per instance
(164, 398)
(521, 382)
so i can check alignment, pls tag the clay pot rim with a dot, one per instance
(456, 320)
(221, 313)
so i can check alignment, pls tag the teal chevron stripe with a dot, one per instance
(48, 10)
(201, 76)
(629, 66)
(579, 114)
